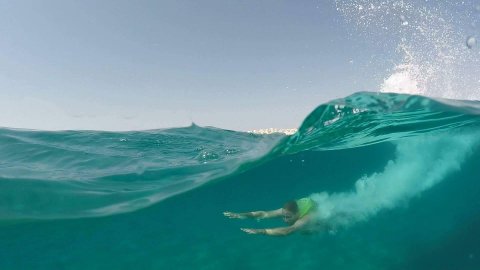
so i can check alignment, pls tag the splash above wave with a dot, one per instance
(432, 40)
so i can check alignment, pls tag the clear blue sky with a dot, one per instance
(122, 65)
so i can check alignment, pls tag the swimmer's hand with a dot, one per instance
(254, 231)
(234, 215)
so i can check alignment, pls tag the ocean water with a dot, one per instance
(395, 176)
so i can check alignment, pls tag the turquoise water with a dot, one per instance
(396, 178)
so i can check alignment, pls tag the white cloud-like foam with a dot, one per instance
(420, 164)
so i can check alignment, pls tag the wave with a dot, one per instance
(77, 174)
(367, 118)
(73, 174)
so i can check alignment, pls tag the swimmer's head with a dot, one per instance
(290, 212)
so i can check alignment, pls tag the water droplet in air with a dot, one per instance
(471, 42)
(404, 20)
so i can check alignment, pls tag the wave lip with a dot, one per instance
(367, 118)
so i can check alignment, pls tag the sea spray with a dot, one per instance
(435, 56)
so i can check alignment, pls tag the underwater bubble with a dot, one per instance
(471, 42)
(206, 156)
(231, 151)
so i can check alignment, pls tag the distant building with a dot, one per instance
(286, 131)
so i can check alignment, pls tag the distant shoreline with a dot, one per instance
(286, 131)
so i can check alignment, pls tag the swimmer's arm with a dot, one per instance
(255, 214)
(282, 231)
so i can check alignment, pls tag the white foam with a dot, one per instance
(402, 81)
(420, 164)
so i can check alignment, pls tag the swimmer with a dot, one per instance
(297, 214)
